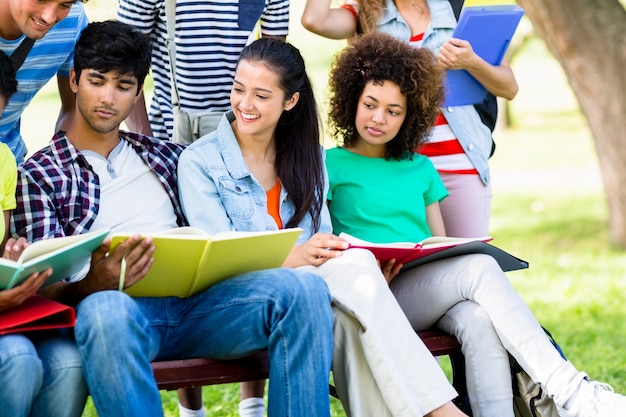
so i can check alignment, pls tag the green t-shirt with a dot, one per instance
(381, 201)
(8, 181)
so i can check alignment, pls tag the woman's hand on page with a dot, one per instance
(316, 251)
(106, 268)
(390, 269)
(17, 295)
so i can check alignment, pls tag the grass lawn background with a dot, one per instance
(548, 208)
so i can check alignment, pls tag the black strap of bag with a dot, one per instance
(488, 108)
(457, 5)
(19, 55)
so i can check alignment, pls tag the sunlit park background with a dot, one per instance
(548, 208)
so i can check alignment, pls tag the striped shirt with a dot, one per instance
(58, 192)
(52, 54)
(209, 36)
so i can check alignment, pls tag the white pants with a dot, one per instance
(487, 366)
(429, 292)
(380, 366)
(466, 211)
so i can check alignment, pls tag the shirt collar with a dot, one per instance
(441, 15)
(231, 152)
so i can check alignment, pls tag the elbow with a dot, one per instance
(510, 92)
(513, 91)
(309, 23)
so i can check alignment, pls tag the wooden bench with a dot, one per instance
(171, 375)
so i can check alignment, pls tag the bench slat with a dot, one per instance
(171, 375)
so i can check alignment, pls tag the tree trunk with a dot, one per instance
(588, 38)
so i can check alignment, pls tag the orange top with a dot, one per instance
(273, 204)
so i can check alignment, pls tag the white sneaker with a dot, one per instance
(601, 401)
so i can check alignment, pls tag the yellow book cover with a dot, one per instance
(187, 260)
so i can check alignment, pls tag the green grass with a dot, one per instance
(548, 208)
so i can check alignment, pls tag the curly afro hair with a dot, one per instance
(377, 57)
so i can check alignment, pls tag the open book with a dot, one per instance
(36, 313)
(65, 255)
(187, 260)
(434, 248)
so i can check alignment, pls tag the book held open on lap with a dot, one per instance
(187, 260)
(434, 248)
(65, 255)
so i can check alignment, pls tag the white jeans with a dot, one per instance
(466, 211)
(429, 292)
(487, 367)
(380, 366)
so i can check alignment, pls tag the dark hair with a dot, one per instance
(8, 83)
(298, 153)
(113, 46)
(377, 57)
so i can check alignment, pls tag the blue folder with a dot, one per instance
(489, 29)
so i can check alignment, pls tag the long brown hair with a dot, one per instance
(299, 161)
(369, 13)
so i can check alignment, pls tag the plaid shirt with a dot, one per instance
(58, 192)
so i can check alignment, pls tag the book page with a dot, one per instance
(354, 241)
(239, 235)
(182, 232)
(48, 246)
(185, 232)
(434, 241)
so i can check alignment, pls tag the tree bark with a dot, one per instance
(588, 38)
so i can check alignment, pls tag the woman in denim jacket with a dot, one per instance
(263, 169)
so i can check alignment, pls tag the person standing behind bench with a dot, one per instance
(54, 25)
(209, 37)
(96, 176)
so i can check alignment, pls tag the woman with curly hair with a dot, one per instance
(460, 144)
(384, 94)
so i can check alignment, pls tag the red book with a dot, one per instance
(36, 313)
(434, 248)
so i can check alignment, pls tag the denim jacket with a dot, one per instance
(464, 121)
(219, 193)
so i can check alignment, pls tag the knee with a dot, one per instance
(307, 292)
(19, 361)
(485, 263)
(483, 271)
(469, 323)
(104, 314)
(59, 353)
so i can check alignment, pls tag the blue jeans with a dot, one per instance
(41, 376)
(285, 311)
